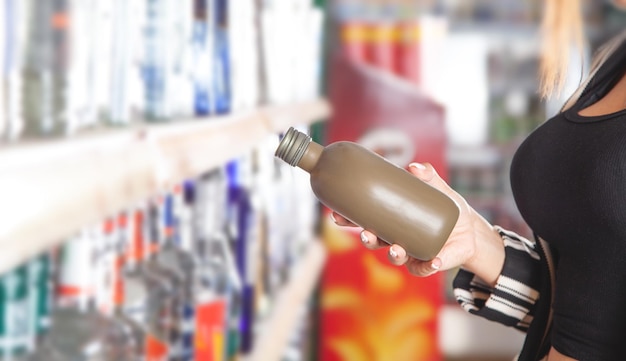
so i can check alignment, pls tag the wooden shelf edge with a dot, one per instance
(276, 330)
(50, 190)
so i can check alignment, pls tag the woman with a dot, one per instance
(567, 287)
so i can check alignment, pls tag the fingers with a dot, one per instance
(423, 268)
(370, 241)
(398, 257)
(396, 254)
(340, 220)
(427, 173)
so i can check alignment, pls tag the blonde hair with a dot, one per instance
(562, 27)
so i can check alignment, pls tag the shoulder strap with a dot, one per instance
(599, 58)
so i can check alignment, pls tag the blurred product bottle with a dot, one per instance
(121, 64)
(156, 63)
(381, 45)
(4, 52)
(202, 60)
(15, 26)
(171, 318)
(221, 56)
(78, 330)
(244, 54)
(237, 211)
(247, 248)
(218, 287)
(181, 77)
(135, 349)
(39, 298)
(291, 50)
(147, 295)
(407, 52)
(100, 60)
(79, 110)
(38, 89)
(14, 312)
(177, 259)
(64, 118)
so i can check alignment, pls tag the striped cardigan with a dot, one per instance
(523, 294)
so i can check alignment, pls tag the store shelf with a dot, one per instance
(50, 189)
(274, 333)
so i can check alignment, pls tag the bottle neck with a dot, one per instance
(311, 156)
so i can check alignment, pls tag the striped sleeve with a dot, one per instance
(511, 302)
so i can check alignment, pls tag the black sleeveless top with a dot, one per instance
(569, 182)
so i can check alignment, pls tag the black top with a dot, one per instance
(569, 182)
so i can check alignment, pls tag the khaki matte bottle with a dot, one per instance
(374, 193)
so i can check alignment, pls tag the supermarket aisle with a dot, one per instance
(144, 216)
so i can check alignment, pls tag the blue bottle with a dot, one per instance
(202, 59)
(155, 62)
(221, 57)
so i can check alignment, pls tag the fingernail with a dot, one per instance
(392, 252)
(435, 266)
(332, 216)
(419, 166)
(364, 238)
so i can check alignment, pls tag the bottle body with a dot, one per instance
(378, 196)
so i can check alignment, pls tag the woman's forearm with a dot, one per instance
(488, 257)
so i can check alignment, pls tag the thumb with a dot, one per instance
(452, 255)
(427, 174)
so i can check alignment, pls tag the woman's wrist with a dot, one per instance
(488, 258)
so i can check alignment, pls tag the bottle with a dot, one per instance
(177, 258)
(147, 296)
(374, 193)
(3, 37)
(156, 61)
(15, 27)
(202, 62)
(221, 56)
(14, 325)
(38, 90)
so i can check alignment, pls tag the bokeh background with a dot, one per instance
(142, 132)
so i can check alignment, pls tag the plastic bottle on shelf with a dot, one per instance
(202, 60)
(77, 70)
(218, 285)
(15, 20)
(147, 295)
(121, 66)
(156, 63)
(374, 193)
(64, 120)
(221, 56)
(78, 330)
(40, 298)
(38, 88)
(3, 37)
(134, 350)
(181, 29)
(14, 307)
(243, 54)
(41, 275)
(176, 257)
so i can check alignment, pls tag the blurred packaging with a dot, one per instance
(376, 311)
(410, 48)
(69, 66)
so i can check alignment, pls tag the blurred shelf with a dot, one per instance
(274, 333)
(50, 189)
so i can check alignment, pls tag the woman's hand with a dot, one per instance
(473, 243)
